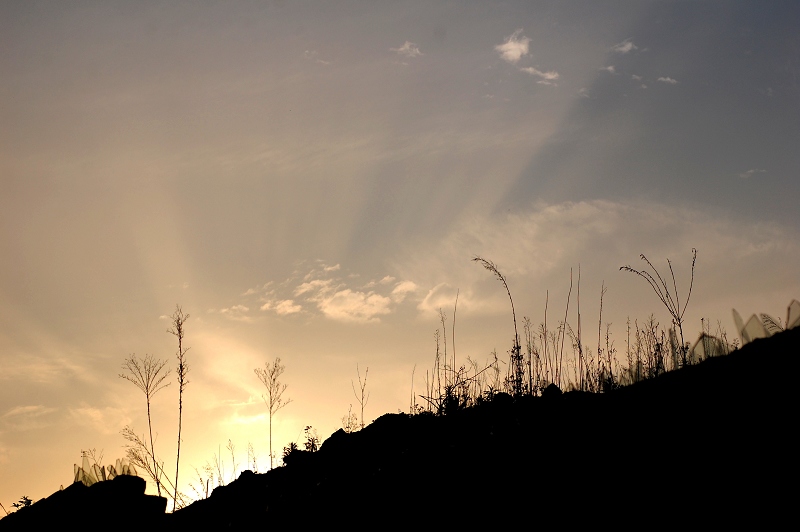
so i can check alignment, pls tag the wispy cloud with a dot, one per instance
(515, 47)
(313, 55)
(751, 173)
(107, 420)
(236, 313)
(610, 69)
(636, 78)
(669, 80)
(624, 47)
(547, 78)
(27, 417)
(409, 49)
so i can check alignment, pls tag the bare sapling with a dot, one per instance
(274, 400)
(362, 396)
(148, 375)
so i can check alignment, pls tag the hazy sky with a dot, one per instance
(310, 182)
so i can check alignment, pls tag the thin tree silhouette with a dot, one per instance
(274, 397)
(148, 375)
(178, 320)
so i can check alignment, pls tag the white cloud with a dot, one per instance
(610, 69)
(402, 289)
(547, 77)
(334, 268)
(624, 47)
(515, 47)
(440, 296)
(636, 78)
(287, 306)
(409, 49)
(751, 173)
(668, 80)
(349, 305)
(236, 312)
(318, 285)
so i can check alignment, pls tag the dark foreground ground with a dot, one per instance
(710, 445)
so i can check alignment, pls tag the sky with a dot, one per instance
(311, 181)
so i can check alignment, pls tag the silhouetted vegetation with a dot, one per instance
(623, 441)
(178, 319)
(274, 400)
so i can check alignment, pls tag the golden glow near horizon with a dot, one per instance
(311, 183)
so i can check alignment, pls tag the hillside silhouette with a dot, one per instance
(706, 445)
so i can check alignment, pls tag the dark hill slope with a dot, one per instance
(711, 444)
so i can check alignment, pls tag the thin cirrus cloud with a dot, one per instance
(515, 47)
(409, 49)
(751, 173)
(547, 78)
(27, 417)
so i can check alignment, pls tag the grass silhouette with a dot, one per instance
(675, 436)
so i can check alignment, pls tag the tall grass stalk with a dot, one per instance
(671, 300)
(178, 322)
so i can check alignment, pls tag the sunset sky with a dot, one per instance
(311, 180)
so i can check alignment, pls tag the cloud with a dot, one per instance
(402, 290)
(349, 305)
(318, 285)
(440, 296)
(751, 173)
(106, 420)
(636, 78)
(313, 55)
(624, 47)
(287, 306)
(334, 268)
(610, 69)
(409, 49)
(515, 47)
(547, 77)
(668, 80)
(536, 249)
(236, 312)
(27, 417)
